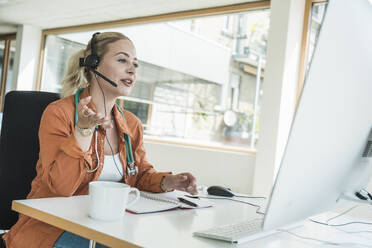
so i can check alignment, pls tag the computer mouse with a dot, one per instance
(220, 191)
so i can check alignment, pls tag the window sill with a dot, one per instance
(205, 145)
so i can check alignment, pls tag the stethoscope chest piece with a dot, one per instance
(132, 169)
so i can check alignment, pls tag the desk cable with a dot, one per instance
(322, 241)
(344, 224)
(228, 198)
(335, 225)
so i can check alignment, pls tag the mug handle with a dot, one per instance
(137, 193)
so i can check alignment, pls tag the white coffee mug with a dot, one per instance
(108, 200)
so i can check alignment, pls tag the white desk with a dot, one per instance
(165, 229)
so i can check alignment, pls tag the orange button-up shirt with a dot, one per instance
(62, 167)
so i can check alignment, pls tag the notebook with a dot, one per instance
(158, 202)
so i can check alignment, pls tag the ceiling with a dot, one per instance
(46, 14)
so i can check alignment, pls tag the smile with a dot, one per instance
(127, 82)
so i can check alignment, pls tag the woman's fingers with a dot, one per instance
(180, 180)
(87, 112)
(185, 182)
(85, 101)
(105, 122)
(89, 118)
(192, 190)
(82, 108)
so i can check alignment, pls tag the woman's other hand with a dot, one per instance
(183, 181)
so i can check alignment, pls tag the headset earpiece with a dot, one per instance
(92, 60)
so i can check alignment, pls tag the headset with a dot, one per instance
(91, 62)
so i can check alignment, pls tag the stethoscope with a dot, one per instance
(132, 168)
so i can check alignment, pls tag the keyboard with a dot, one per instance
(234, 233)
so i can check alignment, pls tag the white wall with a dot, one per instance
(210, 167)
(26, 57)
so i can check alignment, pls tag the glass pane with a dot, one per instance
(9, 79)
(57, 52)
(191, 73)
(2, 46)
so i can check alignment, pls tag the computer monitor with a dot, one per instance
(322, 159)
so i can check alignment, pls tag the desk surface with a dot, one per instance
(166, 229)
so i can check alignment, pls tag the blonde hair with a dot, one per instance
(77, 76)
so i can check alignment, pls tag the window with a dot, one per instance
(7, 53)
(313, 18)
(190, 74)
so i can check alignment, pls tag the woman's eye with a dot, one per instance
(125, 61)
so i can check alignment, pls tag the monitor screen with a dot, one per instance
(322, 159)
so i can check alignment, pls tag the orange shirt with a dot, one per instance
(62, 167)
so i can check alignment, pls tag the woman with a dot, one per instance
(85, 137)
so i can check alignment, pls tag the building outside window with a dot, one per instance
(199, 80)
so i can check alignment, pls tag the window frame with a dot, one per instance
(8, 38)
(305, 45)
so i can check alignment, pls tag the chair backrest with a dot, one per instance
(19, 147)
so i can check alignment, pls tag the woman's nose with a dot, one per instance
(131, 70)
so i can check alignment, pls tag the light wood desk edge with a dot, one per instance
(71, 227)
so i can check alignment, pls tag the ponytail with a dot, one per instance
(75, 77)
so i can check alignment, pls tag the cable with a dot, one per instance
(225, 198)
(343, 224)
(345, 212)
(250, 197)
(108, 142)
(322, 241)
(103, 94)
(307, 238)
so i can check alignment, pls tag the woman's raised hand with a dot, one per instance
(87, 118)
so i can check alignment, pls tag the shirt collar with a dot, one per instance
(121, 122)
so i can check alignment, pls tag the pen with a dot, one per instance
(197, 197)
(187, 202)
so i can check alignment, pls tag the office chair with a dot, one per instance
(19, 148)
